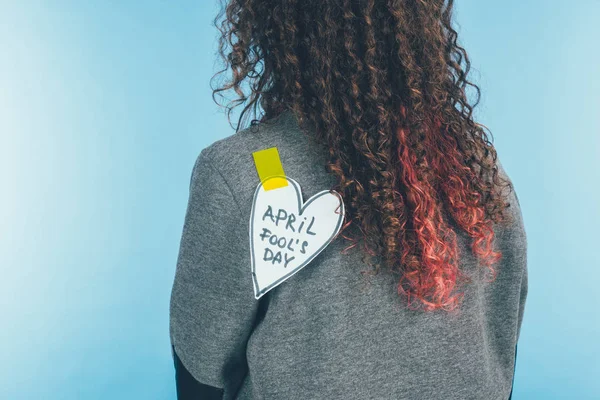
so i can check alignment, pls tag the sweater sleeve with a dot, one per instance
(188, 388)
(212, 308)
(524, 276)
(523, 248)
(522, 284)
(522, 299)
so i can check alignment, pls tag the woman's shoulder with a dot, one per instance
(512, 234)
(229, 161)
(280, 131)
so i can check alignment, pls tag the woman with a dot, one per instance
(421, 293)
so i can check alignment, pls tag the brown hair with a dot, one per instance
(383, 85)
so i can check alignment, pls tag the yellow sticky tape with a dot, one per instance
(268, 164)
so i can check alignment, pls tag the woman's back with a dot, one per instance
(334, 329)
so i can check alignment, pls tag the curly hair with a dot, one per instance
(384, 86)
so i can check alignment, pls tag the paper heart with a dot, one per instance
(286, 233)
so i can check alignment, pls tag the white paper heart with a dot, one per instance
(286, 233)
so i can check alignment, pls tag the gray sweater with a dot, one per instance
(328, 332)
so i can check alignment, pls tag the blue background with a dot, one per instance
(104, 107)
